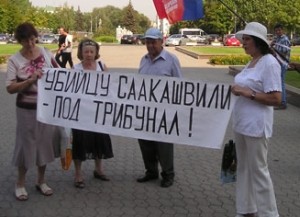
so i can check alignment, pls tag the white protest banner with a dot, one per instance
(176, 110)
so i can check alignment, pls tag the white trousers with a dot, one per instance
(254, 187)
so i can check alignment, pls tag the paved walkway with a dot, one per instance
(197, 191)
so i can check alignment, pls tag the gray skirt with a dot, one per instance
(35, 141)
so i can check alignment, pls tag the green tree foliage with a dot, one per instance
(143, 23)
(218, 19)
(39, 17)
(14, 12)
(129, 18)
(4, 16)
(14, 19)
(134, 21)
(110, 19)
(17, 13)
(65, 17)
(79, 20)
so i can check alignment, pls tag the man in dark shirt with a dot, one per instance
(67, 50)
(61, 45)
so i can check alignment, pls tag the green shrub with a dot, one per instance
(106, 39)
(295, 58)
(230, 60)
(239, 59)
(3, 59)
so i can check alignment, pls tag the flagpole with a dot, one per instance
(232, 11)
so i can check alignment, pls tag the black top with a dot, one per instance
(61, 39)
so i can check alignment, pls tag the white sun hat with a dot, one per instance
(254, 29)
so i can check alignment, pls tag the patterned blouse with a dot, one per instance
(20, 69)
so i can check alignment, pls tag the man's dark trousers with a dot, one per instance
(154, 152)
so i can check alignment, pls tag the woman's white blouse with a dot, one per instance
(250, 117)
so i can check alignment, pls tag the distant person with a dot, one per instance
(258, 87)
(34, 140)
(86, 144)
(282, 46)
(61, 46)
(158, 62)
(67, 51)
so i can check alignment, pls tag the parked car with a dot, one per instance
(214, 38)
(199, 39)
(3, 37)
(133, 39)
(231, 40)
(137, 39)
(126, 39)
(177, 40)
(295, 41)
(48, 39)
(12, 40)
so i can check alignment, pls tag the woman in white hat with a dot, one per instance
(258, 86)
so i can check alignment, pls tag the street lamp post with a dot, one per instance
(91, 24)
(100, 23)
(235, 21)
(96, 24)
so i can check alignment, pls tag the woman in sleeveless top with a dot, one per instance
(86, 144)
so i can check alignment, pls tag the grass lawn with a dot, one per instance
(293, 78)
(9, 49)
(216, 50)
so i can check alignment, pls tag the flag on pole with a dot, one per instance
(177, 10)
(160, 9)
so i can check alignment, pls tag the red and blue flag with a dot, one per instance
(177, 10)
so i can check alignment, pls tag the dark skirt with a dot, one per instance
(90, 145)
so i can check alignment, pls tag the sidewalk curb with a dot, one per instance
(193, 54)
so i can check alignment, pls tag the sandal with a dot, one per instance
(79, 184)
(44, 189)
(21, 193)
(100, 176)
